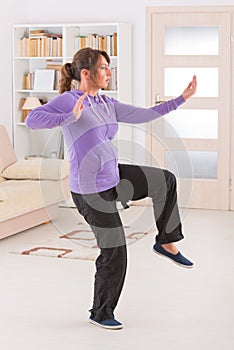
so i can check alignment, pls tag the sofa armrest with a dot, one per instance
(37, 169)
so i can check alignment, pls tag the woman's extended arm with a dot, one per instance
(63, 109)
(130, 114)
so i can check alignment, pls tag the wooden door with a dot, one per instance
(194, 141)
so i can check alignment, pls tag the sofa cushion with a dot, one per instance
(3, 195)
(37, 169)
(25, 196)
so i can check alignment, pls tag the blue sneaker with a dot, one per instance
(108, 324)
(178, 258)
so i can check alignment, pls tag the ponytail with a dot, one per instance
(65, 83)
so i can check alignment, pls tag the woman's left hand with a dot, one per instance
(78, 108)
(190, 89)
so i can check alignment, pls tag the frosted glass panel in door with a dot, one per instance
(192, 164)
(192, 40)
(176, 80)
(192, 123)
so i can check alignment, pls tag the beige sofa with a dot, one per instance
(30, 190)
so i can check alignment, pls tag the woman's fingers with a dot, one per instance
(191, 88)
(79, 106)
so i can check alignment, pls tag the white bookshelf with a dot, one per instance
(44, 142)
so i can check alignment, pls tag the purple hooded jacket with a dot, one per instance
(93, 158)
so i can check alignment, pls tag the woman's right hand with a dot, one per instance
(190, 89)
(79, 106)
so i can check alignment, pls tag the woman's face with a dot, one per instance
(103, 73)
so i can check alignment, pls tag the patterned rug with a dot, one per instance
(80, 243)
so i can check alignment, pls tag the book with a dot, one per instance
(114, 45)
(54, 64)
(102, 43)
(57, 79)
(108, 45)
(44, 79)
(54, 47)
(36, 31)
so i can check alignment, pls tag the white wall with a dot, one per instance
(58, 11)
(10, 12)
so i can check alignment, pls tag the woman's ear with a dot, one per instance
(85, 74)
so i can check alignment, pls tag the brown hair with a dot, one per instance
(86, 58)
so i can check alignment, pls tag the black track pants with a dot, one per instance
(100, 212)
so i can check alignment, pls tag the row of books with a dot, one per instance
(41, 44)
(106, 43)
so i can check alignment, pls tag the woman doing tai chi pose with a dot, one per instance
(89, 122)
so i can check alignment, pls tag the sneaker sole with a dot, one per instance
(105, 326)
(175, 262)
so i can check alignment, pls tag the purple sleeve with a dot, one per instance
(56, 112)
(130, 114)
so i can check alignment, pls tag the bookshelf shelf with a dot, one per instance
(38, 58)
(29, 56)
(38, 91)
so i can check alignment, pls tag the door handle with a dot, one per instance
(158, 99)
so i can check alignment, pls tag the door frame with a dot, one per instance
(231, 179)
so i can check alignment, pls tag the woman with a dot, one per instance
(89, 122)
